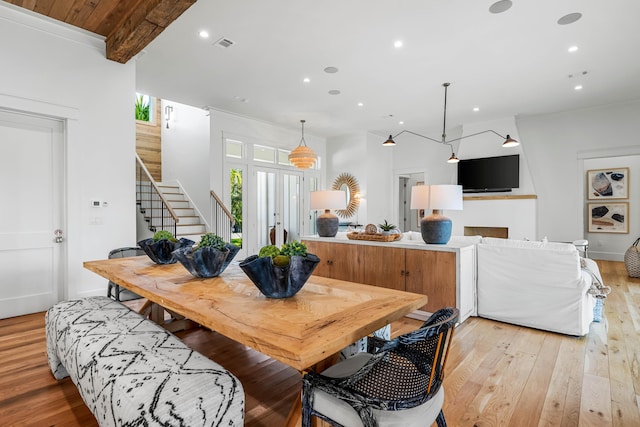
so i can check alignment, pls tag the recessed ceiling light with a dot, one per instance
(360, 104)
(476, 109)
(573, 49)
(331, 70)
(397, 43)
(569, 19)
(204, 34)
(577, 87)
(400, 122)
(334, 92)
(500, 6)
(306, 80)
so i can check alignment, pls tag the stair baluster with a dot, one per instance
(157, 211)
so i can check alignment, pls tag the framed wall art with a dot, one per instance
(608, 184)
(608, 217)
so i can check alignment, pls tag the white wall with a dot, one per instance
(185, 152)
(610, 245)
(346, 154)
(556, 146)
(363, 156)
(518, 215)
(50, 69)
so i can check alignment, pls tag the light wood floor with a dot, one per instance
(497, 374)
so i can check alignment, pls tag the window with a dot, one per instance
(264, 154)
(234, 149)
(283, 157)
(144, 108)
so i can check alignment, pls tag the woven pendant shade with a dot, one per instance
(302, 156)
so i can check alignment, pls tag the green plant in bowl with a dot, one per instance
(164, 235)
(210, 240)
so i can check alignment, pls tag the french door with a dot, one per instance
(31, 218)
(277, 218)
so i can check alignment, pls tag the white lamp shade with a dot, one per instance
(420, 197)
(329, 199)
(445, 197)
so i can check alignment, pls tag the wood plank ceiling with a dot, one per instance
(127, 25)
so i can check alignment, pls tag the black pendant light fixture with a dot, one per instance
(508, 141)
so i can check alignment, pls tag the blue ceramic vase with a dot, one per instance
(206, 262)
(279, 281)
(161, 252)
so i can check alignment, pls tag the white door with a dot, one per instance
(278, 195)
(31, 231)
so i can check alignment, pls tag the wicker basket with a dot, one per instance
(378, 237)
(632, 259)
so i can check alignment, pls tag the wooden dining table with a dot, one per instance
(305, 331)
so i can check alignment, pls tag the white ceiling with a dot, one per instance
(514, 63)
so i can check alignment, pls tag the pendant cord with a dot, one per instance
(302, 140)
(444, 120)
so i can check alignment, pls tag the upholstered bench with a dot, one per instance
(130, 371)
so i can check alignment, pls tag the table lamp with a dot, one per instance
(436, 228)
(327, 223)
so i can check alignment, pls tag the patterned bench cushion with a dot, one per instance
(130, 371)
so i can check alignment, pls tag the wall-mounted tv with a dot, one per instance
(489, 174)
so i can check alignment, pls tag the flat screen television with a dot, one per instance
(489, 174)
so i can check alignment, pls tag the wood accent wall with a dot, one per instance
(149, 141)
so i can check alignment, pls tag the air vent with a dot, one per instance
(224, 42)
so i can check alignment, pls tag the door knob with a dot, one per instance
(58, 234)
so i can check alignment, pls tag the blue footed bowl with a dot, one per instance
(279, 282)
(160, 252)
(206, 262)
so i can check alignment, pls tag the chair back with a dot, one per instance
(408, 370)
(126, 252)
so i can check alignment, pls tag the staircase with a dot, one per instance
(189, 224)
(167, 207)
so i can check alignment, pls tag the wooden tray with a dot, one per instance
(373, 237)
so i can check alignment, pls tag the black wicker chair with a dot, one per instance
(113, 289)
(397, 381)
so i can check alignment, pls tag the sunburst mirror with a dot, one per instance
(349, 184)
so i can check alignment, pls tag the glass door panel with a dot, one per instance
(278, 207)
(265, 206)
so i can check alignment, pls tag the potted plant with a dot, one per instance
(160, 247)
(387, 228)
(280, 272)
(208, 258)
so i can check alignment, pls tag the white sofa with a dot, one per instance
(536, 284)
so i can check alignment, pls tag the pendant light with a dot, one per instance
(508, 141)
(302, 156)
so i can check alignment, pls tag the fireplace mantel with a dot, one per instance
(516, 212)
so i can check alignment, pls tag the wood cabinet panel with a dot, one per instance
(337, 261)
(384, 266)
(446, 277)
(433, 274)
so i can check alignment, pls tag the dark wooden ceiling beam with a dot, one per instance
(127, 25)
(141, 25)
